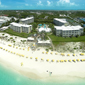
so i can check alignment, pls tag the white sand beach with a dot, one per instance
(40, 68)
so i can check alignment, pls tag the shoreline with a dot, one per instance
(41, 69)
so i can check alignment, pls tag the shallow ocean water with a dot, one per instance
(8, 77)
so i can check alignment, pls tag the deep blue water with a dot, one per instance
(8, 77)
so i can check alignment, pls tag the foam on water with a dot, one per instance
(8, 77)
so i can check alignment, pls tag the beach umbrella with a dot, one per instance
(46, 52)
(14, 52)
(30, 57)
(51, 52)
(53, 60)
(69, 60)
(74, 60)
(33, 45)
(9, 45)
(65, 60)
(55, 53)
(57, 60)
(16, 47)
(73, 54)
(36, 58)
(78, 59)
(6, 50)
(28, 48)
(62, 54)
(21, 63)
(26, 56)
(82, 60)
(47, 60)
(42, 59)
(22, 55)
(13, 46)
(43, 52)
(68, 54)
(1, 47)
(61, 60)
(23, 48)
(82, 54)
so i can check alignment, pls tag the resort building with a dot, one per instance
(67, 31)
(20, 27)
(2, 21)
(5, 18)
(60, 22)
(44, 43)
(27, 20)
(43, 27)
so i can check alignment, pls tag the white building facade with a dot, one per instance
(20, 27)
(67, 31)
(59, 22)
(27, 20)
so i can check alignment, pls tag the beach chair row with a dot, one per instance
(62, 54)
(15, 47)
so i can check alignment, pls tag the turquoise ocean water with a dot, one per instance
(8, 77)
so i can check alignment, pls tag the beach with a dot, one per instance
(39, 65)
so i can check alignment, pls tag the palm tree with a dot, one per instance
(11, 38)
(3, 35)
(6, 37)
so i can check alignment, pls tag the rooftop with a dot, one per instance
(44, 29)
(61, 20)
(20, 25)
(68, 27)
(24, 19)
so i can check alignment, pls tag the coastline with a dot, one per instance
(40, 70)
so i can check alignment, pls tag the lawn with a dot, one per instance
(11, 32)
(56, 39)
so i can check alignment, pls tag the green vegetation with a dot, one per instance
(24, 35)
(47, 50)
(56, 39)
